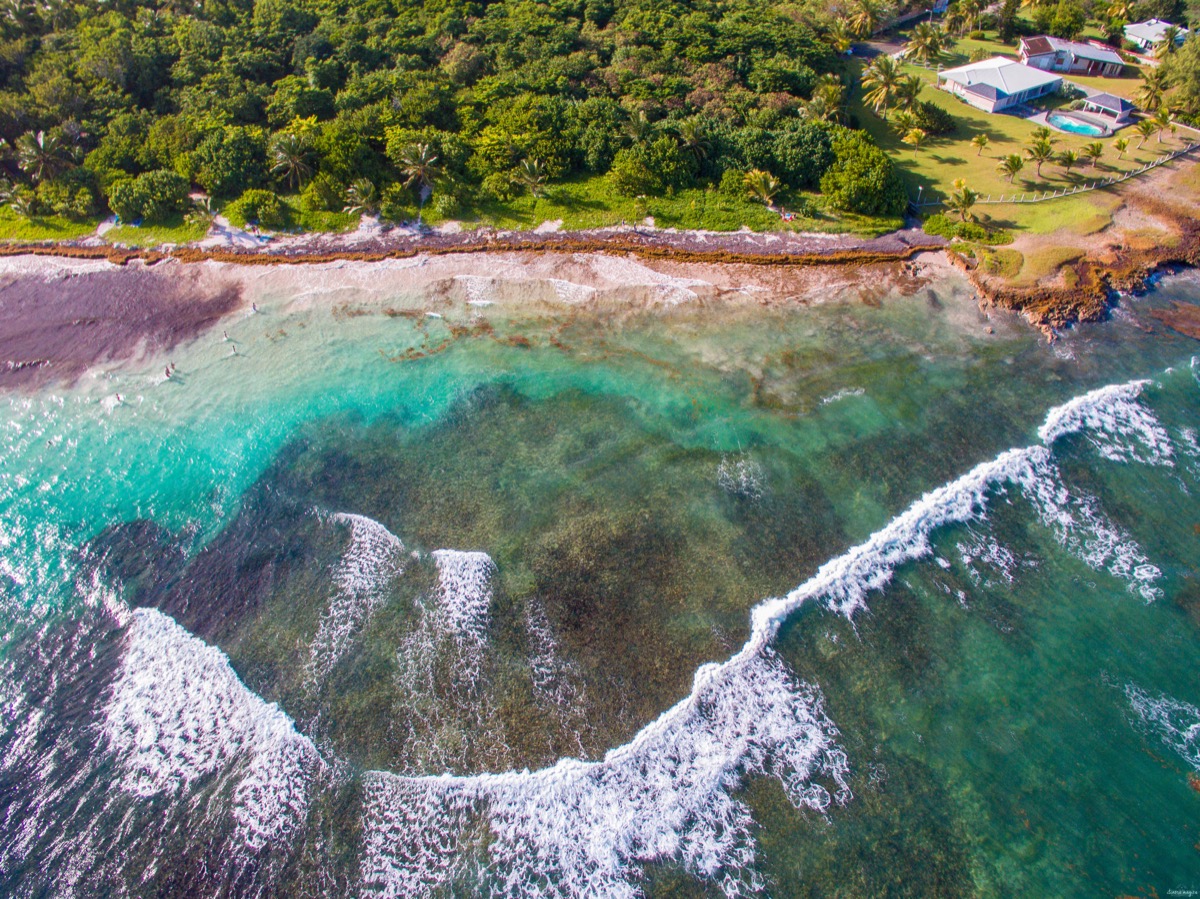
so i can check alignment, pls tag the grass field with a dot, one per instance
(932, 169)
(49, 227)
(174, 231)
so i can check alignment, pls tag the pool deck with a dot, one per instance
(1110, 128)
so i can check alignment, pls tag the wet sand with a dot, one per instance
(59, 318)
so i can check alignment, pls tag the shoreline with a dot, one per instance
(50, 289)
(1105, 266)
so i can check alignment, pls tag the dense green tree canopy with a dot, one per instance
(314, 96)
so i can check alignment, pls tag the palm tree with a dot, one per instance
(914, 138)
(1162, 122)
(971, 11)
(827, 98)
(904, 121)
(954, 20)
(1093, 151)
(693, 139)
(1155, 82)
(962, 199)
(202, 213)
(1168, 44)
(880, 81)
(24, 204)
(762, 185)
(840, 36)
(865, 18)
(361, 198)
(1068, 159)
(41, 155)
(926, 42)
(908, 92)
(1039, 153)
(419, 165)
(1121, 145)
(1145, 128)
(533, 175)
(1011, 166)
(1042, 133)
(980, 142)
(1120, 9)
(289, 158)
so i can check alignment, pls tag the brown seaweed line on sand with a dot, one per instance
(1046, 306)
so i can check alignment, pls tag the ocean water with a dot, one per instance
(847, 599)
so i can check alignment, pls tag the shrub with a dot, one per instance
(322, 194)
(396, 204)
(933, 119)
(260, 206)
(70, 195)
(733, 184)
(976, 35)
(802, 154)
(444, 205)
(944, 226)
(151, 196)
(651, 169)
(230, 160)
(862, 178)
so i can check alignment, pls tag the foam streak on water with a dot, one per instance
(374, 556)
(582, 829)
(1176, 722)
(178, 713)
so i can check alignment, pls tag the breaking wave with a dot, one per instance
(178, 715)
(585, 829)
(1176, 723)
(373, 558)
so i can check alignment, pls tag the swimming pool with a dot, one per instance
(1075, 125)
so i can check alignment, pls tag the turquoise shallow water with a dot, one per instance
(296, 620)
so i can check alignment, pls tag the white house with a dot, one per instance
(998, 83)
(1149, 34)
(1052, 54)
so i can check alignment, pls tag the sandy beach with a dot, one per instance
(60, 315)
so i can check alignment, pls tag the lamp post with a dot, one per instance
(920, 189)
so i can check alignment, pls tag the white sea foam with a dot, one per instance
(987, 550)
(372, 559)
(178, 714)
(442, 662)
(1113, 420)
(464, 592)
(842, 394)
(741, 476)
(1176, 723)
(584, 829)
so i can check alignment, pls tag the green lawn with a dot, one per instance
(592, 203)
(940, 161)
(174, 231)
(306, 220)
(48, 227)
